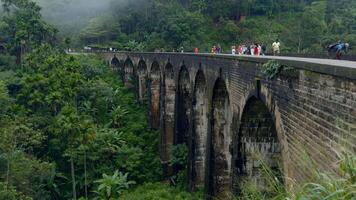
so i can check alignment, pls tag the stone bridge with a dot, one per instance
(237, 119)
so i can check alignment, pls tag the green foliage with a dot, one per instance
(7, 62)
(179, 155)
(324, 186)
(111, 187)
(76, 114)
(273, 188)
(23, 26)
(271, 69)
(4, 99)
(159, 191)
(132, 45)
(9, 193)
(331, 187)
(302, 26)
(179, 160)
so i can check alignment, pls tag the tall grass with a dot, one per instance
(325, 186)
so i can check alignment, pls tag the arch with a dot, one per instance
(129, 73)
(257, 146)
(199, 131)
(219, 179)
(167, 135)
(115, 64)
(184, 99)
(142, 80)
(155, 97)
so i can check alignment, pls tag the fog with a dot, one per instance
(70, 16)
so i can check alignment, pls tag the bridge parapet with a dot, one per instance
(226, 110)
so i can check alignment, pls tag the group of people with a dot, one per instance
(216, 49)
(255, 49)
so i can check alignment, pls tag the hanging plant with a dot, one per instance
(272, 69)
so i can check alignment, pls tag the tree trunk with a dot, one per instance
(299, 44)
(73, 178)
(85, 175)
(8, 173)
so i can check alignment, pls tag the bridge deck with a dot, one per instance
(326, 66)
(342, 68)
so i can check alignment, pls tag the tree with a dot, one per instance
(75, 132)
(24, 27)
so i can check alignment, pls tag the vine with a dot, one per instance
(272, 69)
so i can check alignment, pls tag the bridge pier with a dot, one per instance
(155, 98)
(168, 120)
(142, 81)
(199, 132)
(219, 180)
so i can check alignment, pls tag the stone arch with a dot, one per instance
(129, 73)
(199, 131)
(167, 135)
(155, 97)
(142, 80)
(219, 174)
(257, 145)
(184, 100)
(115, 64)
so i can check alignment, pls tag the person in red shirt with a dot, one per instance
(213, 50)
(255, 50)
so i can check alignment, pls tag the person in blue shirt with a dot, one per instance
(338, 49)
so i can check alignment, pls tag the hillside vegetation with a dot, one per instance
(306, 26)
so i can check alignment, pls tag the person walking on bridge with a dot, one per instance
(213, 50)
(263, 50)
(276, 47)
(233, 50)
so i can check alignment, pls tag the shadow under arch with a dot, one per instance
(155, 95)
(199, 132)
(219, 140)
(129, 73)
(142, 81)
(115, 64)
(257, 147)
(184, 100)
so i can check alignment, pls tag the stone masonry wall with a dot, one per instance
(312, 105)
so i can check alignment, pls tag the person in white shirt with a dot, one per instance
(276, 47)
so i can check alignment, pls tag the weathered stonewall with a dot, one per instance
(231, 116)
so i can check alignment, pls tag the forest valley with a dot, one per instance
(70, 130)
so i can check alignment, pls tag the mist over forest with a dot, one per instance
(302, 26)
(70, 16)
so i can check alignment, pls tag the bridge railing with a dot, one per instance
(349, 57)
